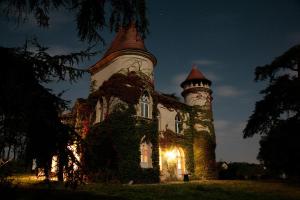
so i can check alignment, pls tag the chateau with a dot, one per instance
(145, 135)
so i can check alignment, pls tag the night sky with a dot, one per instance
(225, 39)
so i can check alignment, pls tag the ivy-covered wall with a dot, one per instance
(112, 147)
(112, 150)
(198, 146)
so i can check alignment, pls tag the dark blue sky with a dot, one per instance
(226, 39)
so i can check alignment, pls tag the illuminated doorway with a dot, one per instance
(172, 163)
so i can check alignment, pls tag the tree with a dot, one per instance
(32, 109)
(29, 111)
(277, 116)
(91, 15)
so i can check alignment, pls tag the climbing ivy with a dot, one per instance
(112, 150)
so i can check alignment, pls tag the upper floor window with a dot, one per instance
(159, 121)
(178, 124)
(145, 101)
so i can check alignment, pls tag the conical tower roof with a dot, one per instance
(127, 38)
(126, 42)
(195, 75)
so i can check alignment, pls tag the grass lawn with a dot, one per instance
(29, 188)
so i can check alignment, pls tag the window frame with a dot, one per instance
(178, 122)
(145, 105)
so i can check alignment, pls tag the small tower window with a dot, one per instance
(178, 124)
(145, 100)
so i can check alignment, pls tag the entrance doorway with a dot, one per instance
(172, 162)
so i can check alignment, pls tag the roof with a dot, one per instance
(195, 75)
(127, 38)
(169, 102)
(127, 42)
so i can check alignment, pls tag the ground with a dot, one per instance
(206, 190)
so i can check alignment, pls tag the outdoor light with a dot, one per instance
(171, 155)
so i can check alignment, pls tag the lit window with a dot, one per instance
(178, 124)
(145, 100)
(146, 153)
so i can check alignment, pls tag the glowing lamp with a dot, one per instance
(170, 155)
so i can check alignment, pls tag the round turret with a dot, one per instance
(196, 89)
(127, 53)
(197, 92)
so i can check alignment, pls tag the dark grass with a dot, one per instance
(206, 190)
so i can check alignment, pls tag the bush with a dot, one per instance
(6, 187)
(241, 171)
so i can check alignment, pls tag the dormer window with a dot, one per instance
(178, 124)
(145, 101)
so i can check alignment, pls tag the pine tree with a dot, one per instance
(91, 16)
(29, 112)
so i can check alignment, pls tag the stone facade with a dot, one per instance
(186, 138)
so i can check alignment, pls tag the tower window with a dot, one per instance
(145, 100)
(178, 124)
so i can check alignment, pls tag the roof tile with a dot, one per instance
(195, 75)
(126, 38)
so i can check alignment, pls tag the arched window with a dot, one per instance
(146, 155)
(145, 100)
(178, 124)
(159, 121)
(180, 162)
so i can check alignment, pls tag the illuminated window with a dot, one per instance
(178, 124)
(146, 155)
(145, 100)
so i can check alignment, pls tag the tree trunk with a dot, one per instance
(8, 152)
(298, 69)
(60, 171)
(15, 152)
(47, 169)
(2, 152)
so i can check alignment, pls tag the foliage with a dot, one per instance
(119, 147)
(280, 149)
(127, 87)
(29, 116)
(30, 112)
(91, 15)
(277, 116)
(5, 171)
(105, 138)
(241, 171)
